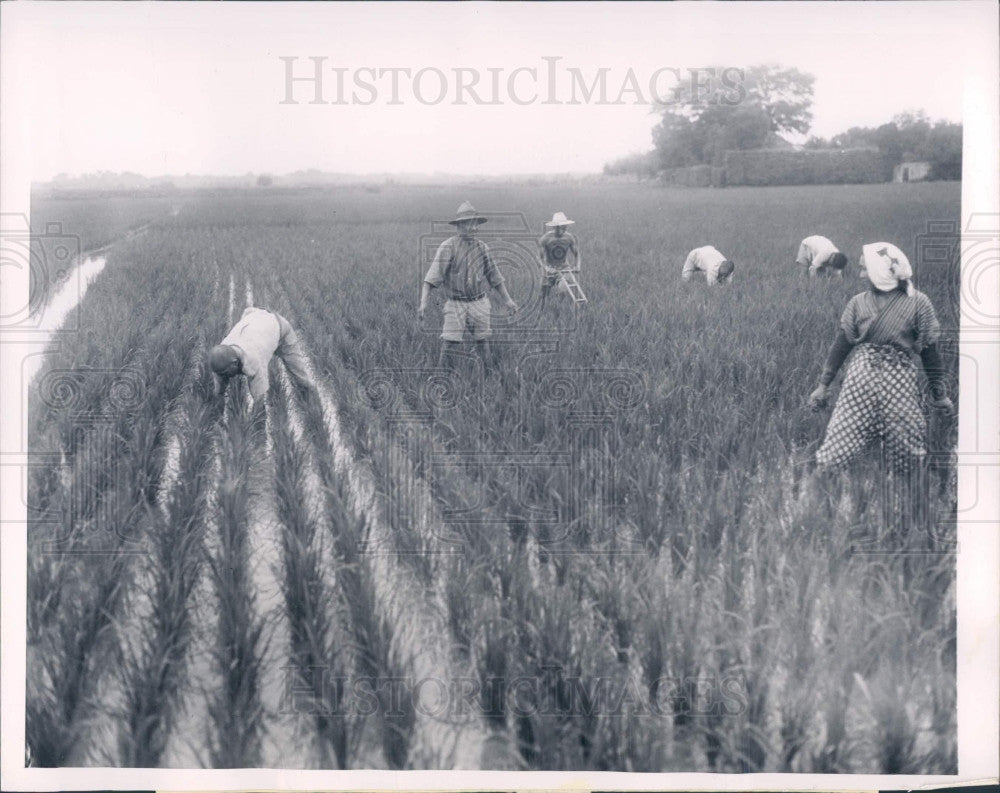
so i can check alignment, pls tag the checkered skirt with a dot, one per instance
(878, 401)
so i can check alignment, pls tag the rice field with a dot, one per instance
(607, 554)
(79, 226)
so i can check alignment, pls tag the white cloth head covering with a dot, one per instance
(886, 265)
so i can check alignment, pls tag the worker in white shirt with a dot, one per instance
(820, 256)
(716, 267)
(249, 346)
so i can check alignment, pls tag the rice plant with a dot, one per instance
(687, 541)
(154, 679)
(316, 658)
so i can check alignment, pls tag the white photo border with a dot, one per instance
(978, 558)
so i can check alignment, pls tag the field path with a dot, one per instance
(419, 623)
(282, 746)
(58, 308)
(416, 613)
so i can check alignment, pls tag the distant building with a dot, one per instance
(911, 172)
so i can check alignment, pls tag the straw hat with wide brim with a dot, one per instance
(467, 212)
(559, 219)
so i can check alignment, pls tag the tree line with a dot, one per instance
(693, 129)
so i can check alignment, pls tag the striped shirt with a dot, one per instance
(465, 267)
(909, 322)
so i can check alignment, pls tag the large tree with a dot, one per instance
(725, 108)
(786, 95)
(676, 142)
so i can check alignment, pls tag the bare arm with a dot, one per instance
(495, 280)
(425, 296)
(507, 299)
(435, 276)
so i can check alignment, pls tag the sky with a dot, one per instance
(202, 87)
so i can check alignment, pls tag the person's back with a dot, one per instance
(249, 346)
(818, 244)
(818, 254)
(710, 261)
(257, 334)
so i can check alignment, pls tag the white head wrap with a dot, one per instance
(886, 265)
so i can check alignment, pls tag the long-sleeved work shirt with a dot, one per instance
(909, 323)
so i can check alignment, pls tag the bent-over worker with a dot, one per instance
(249, 346)
(716, 267)
(819, 256)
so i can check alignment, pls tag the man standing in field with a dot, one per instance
(249, 346)
(716, 267)
(464, 267)
(818, 255)
(558, 254)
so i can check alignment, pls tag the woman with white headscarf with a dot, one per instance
(886, 327)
